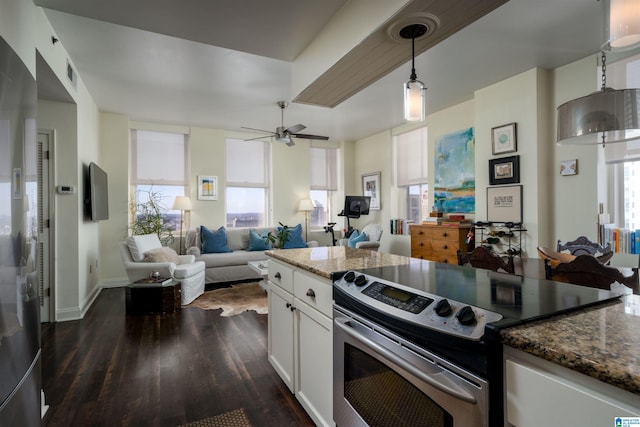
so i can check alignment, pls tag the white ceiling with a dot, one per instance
(225, 63)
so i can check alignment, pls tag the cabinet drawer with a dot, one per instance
(313, 291)
(281, 275)
(445, 257)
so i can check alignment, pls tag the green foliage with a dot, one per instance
(279, 239)
(147, 217)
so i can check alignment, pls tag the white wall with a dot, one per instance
(25, 27)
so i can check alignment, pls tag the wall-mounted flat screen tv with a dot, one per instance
(354, 206)
(98, 193)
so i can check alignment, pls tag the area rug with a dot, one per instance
(234, 300)
(236, 418)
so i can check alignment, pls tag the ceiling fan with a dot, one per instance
(285, 134)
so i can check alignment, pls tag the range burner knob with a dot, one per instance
(466, 316)
(442, 308)
(350, 276)
(361, 280)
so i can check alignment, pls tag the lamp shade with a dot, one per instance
(414, 101)
(614, 113)
(306, 205)
(624, 24)
(182, 203)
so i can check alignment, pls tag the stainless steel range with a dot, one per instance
(418, 345)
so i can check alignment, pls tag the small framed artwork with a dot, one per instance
(569, 167)
(371, 188)
(505, 170)
(207, 187)
(504, 139)
(504, 204)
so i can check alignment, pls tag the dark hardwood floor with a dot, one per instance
(110, 369)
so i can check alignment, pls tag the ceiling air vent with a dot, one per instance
(71, 75)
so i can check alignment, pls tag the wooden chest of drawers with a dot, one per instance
(438, 242)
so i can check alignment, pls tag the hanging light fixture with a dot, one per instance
(414, 90)
(608, 115)
(624, 24)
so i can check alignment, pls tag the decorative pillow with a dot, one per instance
(355, 238)
(141, 244)
(258, 242)
(214, 241)
(162, 254)
(295, 238)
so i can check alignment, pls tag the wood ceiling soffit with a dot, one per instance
(377, 55)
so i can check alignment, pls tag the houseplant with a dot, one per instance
(148, 216)
(280, 238)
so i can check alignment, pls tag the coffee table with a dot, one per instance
(262, 268)
(153, 299)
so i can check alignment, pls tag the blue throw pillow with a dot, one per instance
(355, 238)
(295, 238)
(258, 242)
(213, 241)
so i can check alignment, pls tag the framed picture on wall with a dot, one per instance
(504, 204)
(504, 139)
(371, 188)
(207, 187)
(505, 170)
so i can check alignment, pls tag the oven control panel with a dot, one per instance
(415, 306)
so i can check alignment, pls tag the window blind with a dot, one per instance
(411, 157)
(324, 169)
(247, 163)
(158, 158)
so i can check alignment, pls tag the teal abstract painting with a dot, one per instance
(455, 179)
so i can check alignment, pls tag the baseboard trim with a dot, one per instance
(115, 283)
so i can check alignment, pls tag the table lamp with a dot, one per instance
(306, 206)
(181, 203)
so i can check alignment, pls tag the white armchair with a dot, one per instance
(374, 234)
(183, 268)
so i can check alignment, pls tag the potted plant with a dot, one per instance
(280, 238)
(147, 216)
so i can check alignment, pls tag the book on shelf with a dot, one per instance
(154, 281)
(400, 226)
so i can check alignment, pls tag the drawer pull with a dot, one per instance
(445, 247)
(311, 293)
(290, 306)
(277, 275)
(420, 233)
(421, 243)
(444, 234)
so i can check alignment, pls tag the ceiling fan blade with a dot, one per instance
(258, 137)
(307, 136)
(296, 128)
(259, 130)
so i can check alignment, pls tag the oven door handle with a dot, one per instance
(345, 325)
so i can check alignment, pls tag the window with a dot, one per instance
(411, 173)
(324, 173)
(623, 161)
(160, 166)
(247, 183)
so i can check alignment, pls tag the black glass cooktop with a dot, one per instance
(517, 298)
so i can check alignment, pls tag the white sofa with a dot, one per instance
(373, 234)
(230, 266)
(187, 269)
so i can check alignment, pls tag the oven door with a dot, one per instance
(380, 379)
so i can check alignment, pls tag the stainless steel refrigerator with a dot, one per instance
(20, 376)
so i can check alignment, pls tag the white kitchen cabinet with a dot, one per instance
(541, 393)
(300, 337)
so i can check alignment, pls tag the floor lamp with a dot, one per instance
(181, 203)
(306, 206)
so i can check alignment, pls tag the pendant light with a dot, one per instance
(624, 24)
(414, 90)
(608, 115)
